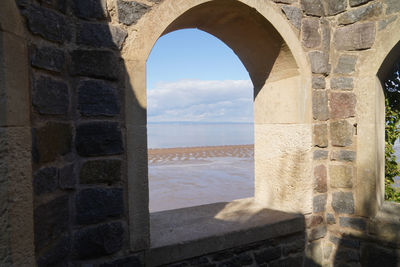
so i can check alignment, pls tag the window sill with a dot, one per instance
(189, 232)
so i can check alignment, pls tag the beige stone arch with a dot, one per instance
(369, 185)
(16, 202)
(282, 81)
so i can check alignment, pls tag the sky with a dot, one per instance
(193, 76)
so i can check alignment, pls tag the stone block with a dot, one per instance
(342, 83)
(51, 141)
(320, 135)
(318, 82)
(129, 12)
(268, 254)
(293, 247)
(47, 58)
(134, 261)
(343, 105)
(95, 205)
(326, 35)
(99, 138)
(373, 255)
(45, 180)
(320, 178)
(330, 219)
(100, 171)
(310, 32)
(343, 202)
(67, 177)
(346, 64)
(221, 256)
(49, 96)
(319, 62)
(317, 232)
(100, 35)
(320, 105)
(341, 176)
(392, 6)
(347, 255)
(335, 7)
(294, 15)
(96, 98)
(384, 23)
(341, 133)
(291, 261)
(343, 155)
(319, 203)
(357, 36)
(354, 223)
(361, 13)
(320, 155)
(313, 7)
(98, 241)
(57, 254)
(96, 64)
(354, 3)
(90, 9)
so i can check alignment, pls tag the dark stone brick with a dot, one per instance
(354, 223)
(319, 62)
(320, 105)
(51, 141)
(98, 241)
(129, 12)
(57, 254)
(50, 96)
(335, 7)
(267, 255)
(343, 202)
(318, 82)
(199, 261)
(347, 242)
(90, 9)
(347, 255)
(222, 256)
(392, 6)
(100, 171)
(288, 262)
(294, 247)
(48, 24)
(51, 220)
(373, 255)
(244, 259)
(67, 177)
(330, 219)
(343, 155)
(346, 64)
(97, 64)
(342, 83)
(361, 13)
(131, 261)
(311, 36)
(98, 139)
(313, 221)
(229, 263)
(354, 3)
(47, 58)
(320, 155)
(94, 205)
(313, 7)
(319, 203)
(293, 14)
(60, 5)
(357, 36)
(97, 98)
(101, 35)
(341, 133)
(45, 180)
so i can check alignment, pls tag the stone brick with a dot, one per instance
(384, 23)
(293, 14)
(317, 232)
(343, 202)
(96, 98)
(319, 203)
(326, 35)
(341, 176)
(51, 221)
(47, 58)
(129, 12)
(221, 256)
(313, 220)
(392, 6)
(355, 37)
(45, 180)
(98, 139)
(346, 64)
(313, 7)
(50, 96)
(57, 254)
(330, 219)
(347, 255)
(361, 13)
(354, 3)
(335, 7)
(341, 133)
(51, 141)
(101, 35)
(320, 105)
(244, 259)
(98, 241)
(90, 9)
(67, 177)
(97, 64)
(100, 171)
(354, 223)
(320, 175)
(134, 261)
(293, 247)
(319, 62)
(343, 155)
(95, 205)
(373, 255)
(320, 135)
(267, 255)
(320, 155)
(59, 5)
(342, 83)
(311, 37)
(291, 261)
(343, 105)
(318, 82)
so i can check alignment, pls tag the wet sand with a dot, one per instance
(184, 177)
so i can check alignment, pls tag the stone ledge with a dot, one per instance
(189, 232)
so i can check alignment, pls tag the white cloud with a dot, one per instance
(196, 100)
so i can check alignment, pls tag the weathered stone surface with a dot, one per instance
(67, 177)
(347, 255)
(320, 135)
(354, 3)
(57, 254)
(293, 14)
(96, 98)
(50, 96)
(319, 203)
(47, 58)
(341, 176)
(343, 155)
(318, 82)
(341, 133)
(330, 219)
(311, 36)
(134, 261)
(313, 220)
(59, 5)
(335, 7)
(97, 64)
(343, 202)
(291, 261)
(320, 175)
(98, 139)
(320, 105)
(267, 255)
(94, 205)
(319, 62)
(90, 9)
(293, 247)
(317, 232)
(129, 12)
(45, 180)
(361, 13)
(342, 83)
(99, 240)
(312, 7)
(373, 255)
(392, 6)
(354, 223)
(384, 23)
(101, 35)
(343, 105)
(355, 37)
(320, 155)
(346, 64)
(51, 141)
(100, 171)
